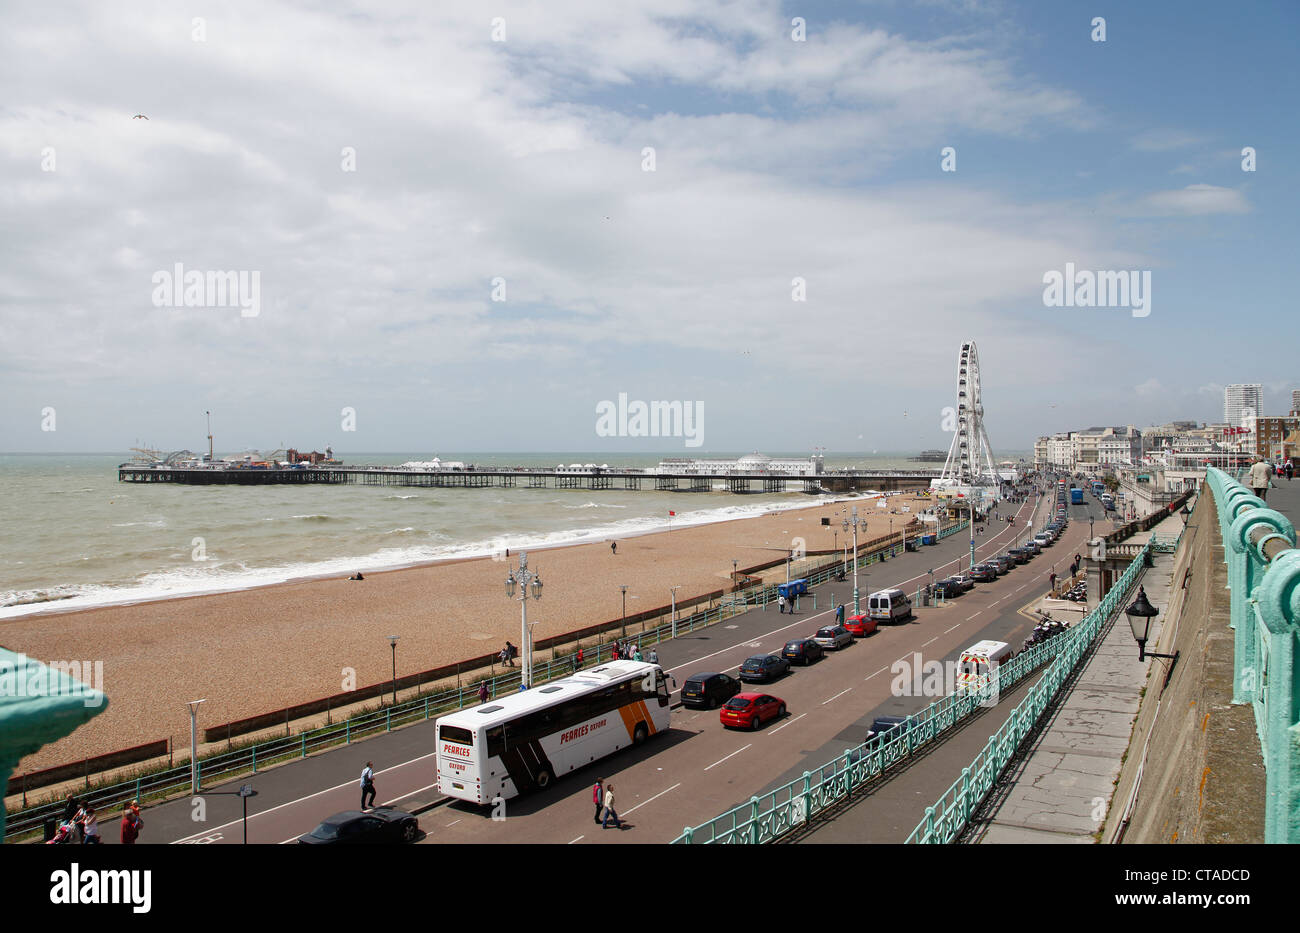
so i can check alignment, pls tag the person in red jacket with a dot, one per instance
(131, 825)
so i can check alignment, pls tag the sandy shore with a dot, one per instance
(257, 650)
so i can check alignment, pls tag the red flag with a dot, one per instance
(672, 513)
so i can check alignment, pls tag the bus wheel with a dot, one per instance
(640, 735)
(543, 779)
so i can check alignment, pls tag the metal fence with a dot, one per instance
(1264, 607)
(259, 755)
(949, 815)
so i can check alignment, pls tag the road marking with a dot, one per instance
(930, 642)
(1022, 588)
(732, 755)
(881, 671)
(452, 823)
(958, 625)
(787, 722)
(290, 803)
(837, 696)
(655, 797)
(579, 839)
(968, 618)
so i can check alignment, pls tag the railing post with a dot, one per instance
(388, 719)
(254, 759)
(304, 745)
(348, 732)
(426, 708)
(753, 821)
(929, 824)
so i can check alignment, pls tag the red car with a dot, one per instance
(860, 626)
(751, 710)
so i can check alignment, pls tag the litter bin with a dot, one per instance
(928, 539)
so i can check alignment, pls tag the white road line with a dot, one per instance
(930, 642)
(452, 823)
(290, 803)
(579, 839)
(968, 618)
(958, 625)
(837, 696)
(786, 723)
(881, 671)
(1022, 588)
(655, 797)
(732, 755)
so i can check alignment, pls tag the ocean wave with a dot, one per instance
(596, 505)
(388, 498)
(316, 518)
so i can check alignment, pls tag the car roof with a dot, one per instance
(704, 675)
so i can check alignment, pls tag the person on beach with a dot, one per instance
(483, 693)
(613, 547)
(368, 785)
(609, 809)
(356, 576)
(598, 797)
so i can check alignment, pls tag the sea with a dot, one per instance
(74, 537)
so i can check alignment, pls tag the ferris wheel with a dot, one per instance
(970, 458)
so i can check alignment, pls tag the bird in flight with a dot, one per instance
(139, 116)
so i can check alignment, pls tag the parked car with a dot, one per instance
(802, 651)
(948, 588)
(963, 580)
(1005, 562)
(1043, 539)
(1019, 555)
(833, 636)
(861, 626)
(764, 667)
(751, 710)
(983, 573)
(1031, 545)
(882, 729)
(709, 690)
(353, 827)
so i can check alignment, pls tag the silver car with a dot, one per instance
(833, 636)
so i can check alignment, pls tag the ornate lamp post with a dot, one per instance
(392, 640)
(525, 579)
(846, 524)
(1140, 615)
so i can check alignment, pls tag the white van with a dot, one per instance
(889, 605)
(978, 662)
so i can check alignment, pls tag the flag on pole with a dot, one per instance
(670, 512)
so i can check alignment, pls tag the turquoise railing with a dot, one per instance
(1264, 612)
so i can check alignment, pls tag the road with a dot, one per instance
(696, 769)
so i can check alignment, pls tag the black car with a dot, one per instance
(803, 651)
(948, 588)
(764, 667)
(709, 690)
(883, 729)
(371, 827)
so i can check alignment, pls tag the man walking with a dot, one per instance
(598, 797)
(609, 809)
(368, 785)
(1259, 474)
(1052, 578)
(780, 604)
(131, 825)
(483, 694)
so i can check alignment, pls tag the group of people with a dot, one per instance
(630, 651)
(782, 603)
(602, 795)
(80, 823)
(508, 655)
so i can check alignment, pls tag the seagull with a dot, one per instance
(139, 116)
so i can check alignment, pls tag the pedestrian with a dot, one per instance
(79, 821)
(368, 784)
(613, 548)
(613, 652)
(653, 657)
(1259, 474)
(598, 797)
(579, 656)
(130, 826)
(1289, 469)
(780, 604)
(1052, 577)
(636, 653)
(1078, 559)
(70, 807)
(483, 694)
(609, 809)
(1074, 570)
(90, 825)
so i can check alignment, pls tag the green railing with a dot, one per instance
(1264, 609)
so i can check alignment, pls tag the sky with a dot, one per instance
(474, 226)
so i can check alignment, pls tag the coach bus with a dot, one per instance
(524, 741)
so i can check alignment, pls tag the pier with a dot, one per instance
(536, 478)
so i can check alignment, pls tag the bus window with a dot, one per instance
(661, 692)
(456, 734)
(496, 741)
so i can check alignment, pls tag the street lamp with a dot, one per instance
(194, 745)
(734, 571)
(673, 590)
(853, 522)
(624, 589)
(1140, 615)
(392, 640)
(525, 580)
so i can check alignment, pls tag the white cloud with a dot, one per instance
(1198, 199)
